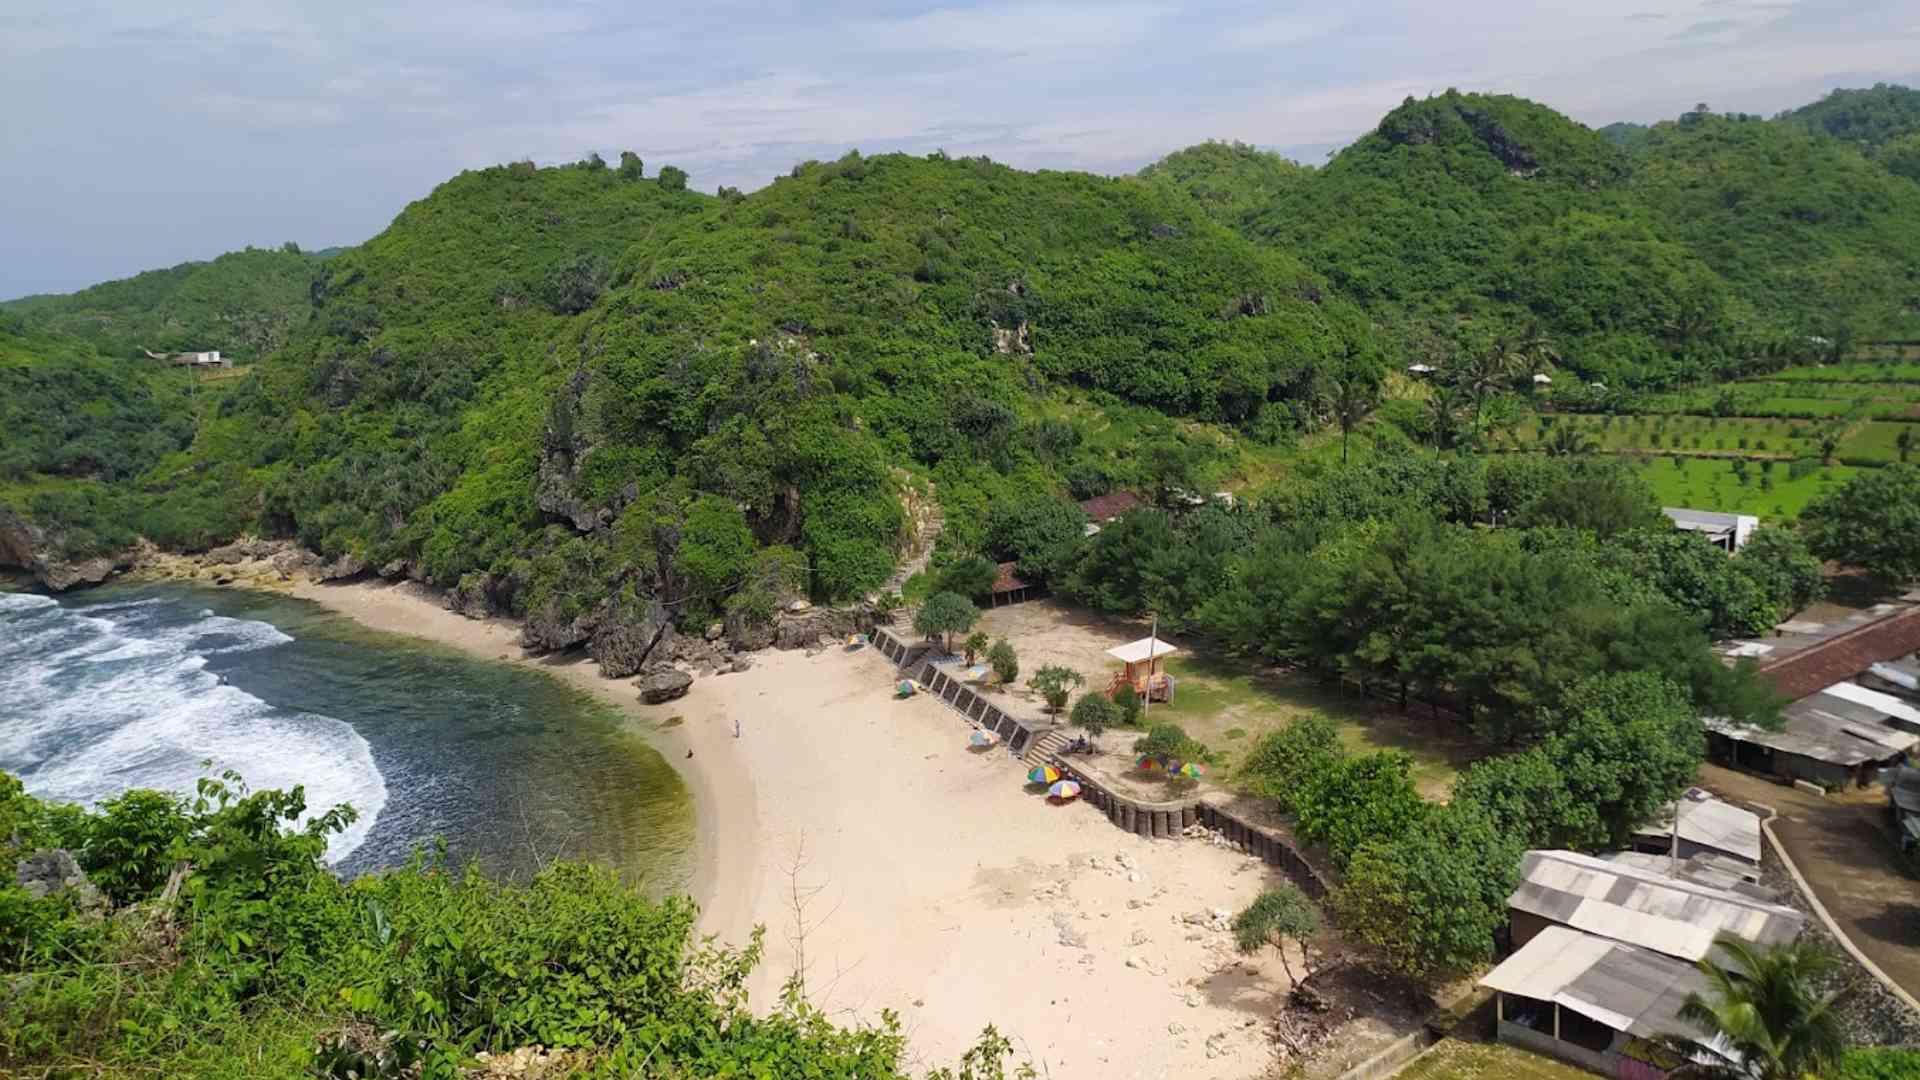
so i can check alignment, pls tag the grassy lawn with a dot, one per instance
(1455, 1060)
(1858, 371)
(1228, 704)
(1707, 484)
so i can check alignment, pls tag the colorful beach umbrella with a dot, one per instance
(1149, 763)
(1189, 770)
(981, 738)
(1065, 789)
(906, 688)
(1044, 774)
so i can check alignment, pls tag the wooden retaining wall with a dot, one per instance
(1172, 819)
(1155, 820)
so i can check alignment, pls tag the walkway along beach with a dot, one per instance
(906, 873)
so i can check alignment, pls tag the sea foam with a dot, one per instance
(114, 696)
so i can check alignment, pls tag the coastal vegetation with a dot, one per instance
(207, 939)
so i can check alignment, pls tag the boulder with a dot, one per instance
(346, 566)
(714, 630)
(475, 597)
(549, 629)
(663, 684)
(54, 872)
(741, 663)
(394, 570)
(295, 558)
(59, 576)
(631, 630)
(805, 630)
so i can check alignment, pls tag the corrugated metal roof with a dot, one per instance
(1709, 822)
(1709, 868)
(1904, 676)
(1633, 905)
(1627, 989)
(1884, 704)
(1827, 727)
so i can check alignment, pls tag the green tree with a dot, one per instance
(1603, 497)
(1279, 762)
(969, 575)
(1276, 917)
(1094, 714)
(1903, 442)
(945, 614)
(1006, 663)
(1525, 796)
(1872, 522)
(1430, 897)
(1358, 799)
(1039, 532)
(716, 548)
(975, 645)
(1169, 742)
(1763, 1006)
(1626, 745)
(1777, 559)
(671, 179)
(631, 167)
(1127, 703)
(1349, 398)
(1055, 683)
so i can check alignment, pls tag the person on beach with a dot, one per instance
(736, 727)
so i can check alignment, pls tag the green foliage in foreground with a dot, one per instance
(266, 965)
(1763, 1009)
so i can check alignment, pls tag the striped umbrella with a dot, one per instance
(1043, 774)
(1189, 771)
(1149, 763)
(1065, 789)
(981, 738)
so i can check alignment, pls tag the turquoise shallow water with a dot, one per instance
(157, 685)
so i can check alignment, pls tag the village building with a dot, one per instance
(1850, 719)
(1729, 532)
(1638, 907)
(1105, 509)
(1594, 1002)
(209, 358)
(1605, 948)
(1009, 587)
(1697, 824)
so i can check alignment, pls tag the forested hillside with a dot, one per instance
(1883, 122)
(1650, 256)
(245, 303)
(590, 396)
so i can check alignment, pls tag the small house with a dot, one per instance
(1594, 1002)
(1697, 824)
(1009, 587)
(1729, 532)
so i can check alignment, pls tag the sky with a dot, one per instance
(137, 134)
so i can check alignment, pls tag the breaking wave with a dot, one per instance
(100, 699)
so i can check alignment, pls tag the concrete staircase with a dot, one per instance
(1045, 745)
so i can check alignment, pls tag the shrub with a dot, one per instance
(1171, 742)
(1127, 702)
(1006, 663)
(1095, 714)
(1281, 761)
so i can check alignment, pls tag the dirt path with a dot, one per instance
(1842, 847)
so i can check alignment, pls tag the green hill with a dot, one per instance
(245, 303)
(1647, 256)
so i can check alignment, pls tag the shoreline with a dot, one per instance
(893, 871)
(410, 609)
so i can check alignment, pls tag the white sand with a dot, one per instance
(929, 881)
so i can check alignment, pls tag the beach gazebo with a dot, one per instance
(1142, 671)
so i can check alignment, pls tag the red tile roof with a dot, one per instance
(1009, 579)
(1111, 505)
(1845, 655)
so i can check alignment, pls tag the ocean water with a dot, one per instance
(156, 686)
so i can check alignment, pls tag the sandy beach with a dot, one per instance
(902, 871)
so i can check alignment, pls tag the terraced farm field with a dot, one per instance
(1773, 494)
(1682, 434)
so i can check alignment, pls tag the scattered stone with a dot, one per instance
(1140, 937)
(799, 606)
(1176, 1028)
(714, 630)
(1069, 935)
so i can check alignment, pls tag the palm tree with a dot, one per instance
(1488, 370)
(1569, 441)
(1350, 399)
(1763, 1014)
(1443, 416)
